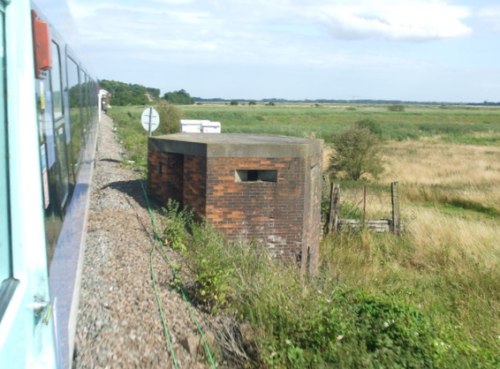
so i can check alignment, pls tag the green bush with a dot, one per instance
(170, 116)
(349, 329)
(214, 270)
(356, 154)
(175, 233)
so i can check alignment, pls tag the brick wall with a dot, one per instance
(165, 176)
(271, 212)
(195, 179)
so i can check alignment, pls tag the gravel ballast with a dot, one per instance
(119, 324)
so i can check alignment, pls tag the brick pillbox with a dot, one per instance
(250, 187)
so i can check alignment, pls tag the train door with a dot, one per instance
(26, 324)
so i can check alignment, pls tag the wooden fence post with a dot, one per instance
(396, 220)
(333, 214)
(364, 207)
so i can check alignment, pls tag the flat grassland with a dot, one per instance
(446, 160)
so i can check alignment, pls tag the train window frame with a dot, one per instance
(56, 87)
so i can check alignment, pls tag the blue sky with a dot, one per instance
(421, 50)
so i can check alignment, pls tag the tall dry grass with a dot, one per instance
(471, 172)
(441, 240)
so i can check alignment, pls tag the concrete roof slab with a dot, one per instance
(235, 145)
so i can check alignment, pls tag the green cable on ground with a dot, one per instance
(168, 337)
(190, 312)
(186, 301)
(154, 280)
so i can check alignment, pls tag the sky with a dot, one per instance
(410, 50)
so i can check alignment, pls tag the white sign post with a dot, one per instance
(150, 120)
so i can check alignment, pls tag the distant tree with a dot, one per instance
(233, 103)
(170, 116)
(153, 92)
(128, 93)
(180, 97)
(356, 154)
(252, 103)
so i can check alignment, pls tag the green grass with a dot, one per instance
(488, 140)
(131, 134)
(457, 124)
(327, 120)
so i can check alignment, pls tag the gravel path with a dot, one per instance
(118, 322)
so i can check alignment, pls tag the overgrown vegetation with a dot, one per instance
(428, 299)
(335, 320)
(356, 152)
(170, 116)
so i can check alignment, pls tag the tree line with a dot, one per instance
(134, 94)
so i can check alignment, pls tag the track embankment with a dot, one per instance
(118, 322)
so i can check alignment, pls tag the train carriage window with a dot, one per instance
(63, 185)
(74, 92)
(55, 75)
(88, 83)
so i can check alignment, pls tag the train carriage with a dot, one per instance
(48, 119)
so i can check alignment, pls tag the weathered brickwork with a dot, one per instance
(270, 212)
(195, 179)
(281, 211)
(166, 176)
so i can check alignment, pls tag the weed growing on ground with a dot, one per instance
(175, 232)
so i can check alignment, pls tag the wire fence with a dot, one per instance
(358, 208)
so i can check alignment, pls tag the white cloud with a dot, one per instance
(391, 19)
(259, 31)
(235, 28)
